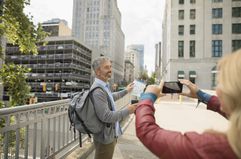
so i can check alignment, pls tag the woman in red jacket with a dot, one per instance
(168, 144)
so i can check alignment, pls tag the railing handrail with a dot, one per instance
(17, 109)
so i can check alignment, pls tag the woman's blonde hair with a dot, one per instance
(229, 78)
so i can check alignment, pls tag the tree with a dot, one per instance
(152, 79)
(14, 79)
(18, 27)
(143, 76)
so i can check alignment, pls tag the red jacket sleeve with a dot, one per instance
(168, 144)
(214, 105)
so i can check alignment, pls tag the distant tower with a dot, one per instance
(158, 59)
(98, 24)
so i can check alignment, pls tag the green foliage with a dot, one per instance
(152, 79)
(18, 27)
(143, 76)
(14, 79)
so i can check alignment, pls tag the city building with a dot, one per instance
(60, 68)
(57, 27)
(196, 34)
(158, 61)
(140, 49)
(128, 72)
(134, 57)
(98, 24)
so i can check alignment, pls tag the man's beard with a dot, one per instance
(108, 75)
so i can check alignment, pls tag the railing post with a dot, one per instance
(44, 147)
(6, 138)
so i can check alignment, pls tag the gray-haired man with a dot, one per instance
(105, 141)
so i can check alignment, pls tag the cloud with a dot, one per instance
(141, 20)
(142, 24)
(43, 10)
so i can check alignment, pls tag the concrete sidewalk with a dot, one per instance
(129, 147)
(172, 115)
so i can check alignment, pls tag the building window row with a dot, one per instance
(191, 31)
(216, 29)
(217, 47)
(192, 48)
(216, 1)
(191, 16)
(191, 1)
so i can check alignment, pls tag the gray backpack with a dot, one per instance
(82, 115)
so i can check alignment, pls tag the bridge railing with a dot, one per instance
(39, 130)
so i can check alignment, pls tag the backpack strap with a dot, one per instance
(108, 99)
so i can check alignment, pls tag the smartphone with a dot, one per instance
(133, 101)
(172, 87)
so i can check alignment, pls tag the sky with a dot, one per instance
(141, 20)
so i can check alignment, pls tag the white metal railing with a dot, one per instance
(39, 130)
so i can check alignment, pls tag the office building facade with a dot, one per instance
(139, 48)
(56, 27)
(128, 72)
(196, 34)
(98, 24)
(134, 57)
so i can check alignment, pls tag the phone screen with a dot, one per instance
(172, 87)
(133, 101)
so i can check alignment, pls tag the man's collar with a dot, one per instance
(99, 81)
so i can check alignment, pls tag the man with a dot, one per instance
(105, 141)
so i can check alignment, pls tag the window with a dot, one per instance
(192, 13)
(236, 11)
(215, 1)
(217, 13)
(192, 1)
(192, 29)
(192, 48)
(181, 1)
(217, 48)
(180, 48)
(181, 30)
(236, 44)
(181, 14)
(236, 28)
(217, 28)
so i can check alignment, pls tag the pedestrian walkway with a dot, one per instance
(173, 115)
(129, 147)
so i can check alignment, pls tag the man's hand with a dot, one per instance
(192, 88)
(130, 87)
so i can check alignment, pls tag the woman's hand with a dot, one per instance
(192, 88)
(155, 89)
